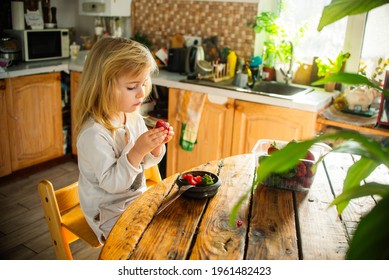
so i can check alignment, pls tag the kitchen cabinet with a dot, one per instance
(234, 128)
(214, 135)
(34, 118)
(75, 78)
(5, 156)
(254, 121)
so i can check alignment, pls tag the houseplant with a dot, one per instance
(370, 239)
(327, 66)
(277, 43)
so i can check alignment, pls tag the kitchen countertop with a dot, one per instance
(313, 101)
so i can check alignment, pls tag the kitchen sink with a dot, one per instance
(268, 88)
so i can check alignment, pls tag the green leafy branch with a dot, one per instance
(350, 79)
(339, 9)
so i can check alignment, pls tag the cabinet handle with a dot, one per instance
(228, 106)
(238, 108)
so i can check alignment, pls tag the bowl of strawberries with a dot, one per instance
(298, 178)
(206, 184)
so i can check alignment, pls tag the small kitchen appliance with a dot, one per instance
(42, 44)
(194, 55)
(176, 60)
(106, 8)
(9, 51)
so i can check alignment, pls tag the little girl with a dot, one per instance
(113, 143)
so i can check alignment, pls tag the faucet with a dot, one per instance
(289, 74)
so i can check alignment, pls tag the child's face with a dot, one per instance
(132, 91)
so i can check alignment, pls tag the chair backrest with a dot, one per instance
(64, 218)
(152, 175)
(53, 219)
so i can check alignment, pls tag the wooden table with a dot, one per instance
(277, 224)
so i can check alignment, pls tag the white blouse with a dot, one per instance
(108, 182)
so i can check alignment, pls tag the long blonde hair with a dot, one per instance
(97, 96)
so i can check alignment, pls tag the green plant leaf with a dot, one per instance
(361, 191)
(349, 79)
(355, 174)
(365, 148)
(370, 240)
(338, 9)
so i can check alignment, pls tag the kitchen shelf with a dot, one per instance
(322, 122)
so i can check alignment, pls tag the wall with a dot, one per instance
(161, 19)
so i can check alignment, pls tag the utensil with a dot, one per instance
(204, 67)
(181, 190)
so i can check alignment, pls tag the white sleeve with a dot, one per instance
(96, 156)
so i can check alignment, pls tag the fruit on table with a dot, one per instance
(198, 180)
(301, 175)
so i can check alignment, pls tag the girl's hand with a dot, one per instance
(146, 143)
(168, 136)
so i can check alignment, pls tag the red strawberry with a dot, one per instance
(189, 178)
(301, 170)
(308, 166)
(309, 156)
(306, 182)
(198, 179)
(273, 148)
(161, 123)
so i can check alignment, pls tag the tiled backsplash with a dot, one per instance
(162, 19)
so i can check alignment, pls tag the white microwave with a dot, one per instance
(42, 44)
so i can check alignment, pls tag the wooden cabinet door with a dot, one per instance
(75, 78)
(214, 135)
(5, 157)
(35, 119)
(254, 121)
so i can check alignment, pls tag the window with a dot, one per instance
(376, 40)
(365, 37)
(327, 43)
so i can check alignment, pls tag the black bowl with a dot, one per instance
(200, 191)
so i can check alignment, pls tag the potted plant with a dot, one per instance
(266, 22)
(370, 239)
(327, 66)
(277, 43)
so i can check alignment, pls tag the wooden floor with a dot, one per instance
(24, 234)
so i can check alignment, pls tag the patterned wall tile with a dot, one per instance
(162, 19)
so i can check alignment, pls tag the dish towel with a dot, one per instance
(189, 108)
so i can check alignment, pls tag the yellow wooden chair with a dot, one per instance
(153, 176)
(65, 218)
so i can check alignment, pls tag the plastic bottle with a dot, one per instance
(231, 60)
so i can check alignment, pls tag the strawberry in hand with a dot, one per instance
(165, 125)
(161, 123)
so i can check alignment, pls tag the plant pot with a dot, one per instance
(329, 87)
(268, 73)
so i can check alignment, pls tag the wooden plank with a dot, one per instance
(216, 239)
(323, 236)
(272, 233)
(337, 165)
(23, 234)
(178, 223)
(364, 129)
(132, 223)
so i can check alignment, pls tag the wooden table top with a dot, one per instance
(277, 224)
